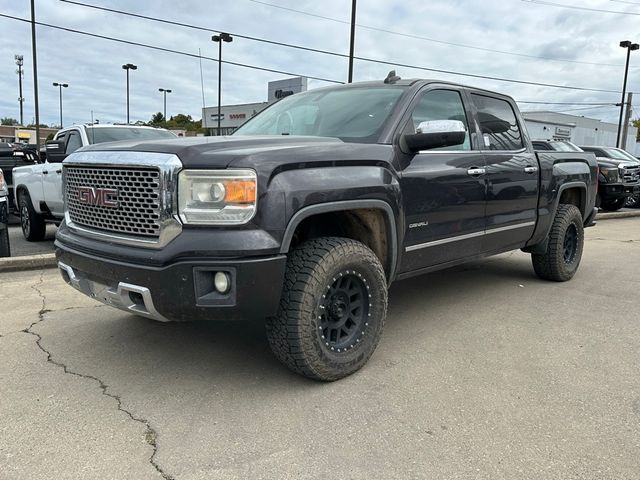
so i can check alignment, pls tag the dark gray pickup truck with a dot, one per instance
(311, 209)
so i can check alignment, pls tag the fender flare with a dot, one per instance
(320, 208)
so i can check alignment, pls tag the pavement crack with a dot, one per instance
(151, 435)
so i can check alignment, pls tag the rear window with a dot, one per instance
(498, 124)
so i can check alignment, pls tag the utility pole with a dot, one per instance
(20, 63)
(353, 39)
(35, 72)
(627, 119)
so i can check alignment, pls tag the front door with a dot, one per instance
(443, 189)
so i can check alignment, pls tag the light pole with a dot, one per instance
(164, 93)
(20, 62)
(630, 47)
(352, 39)
(223, 37)
(60, 87)
(127, 67)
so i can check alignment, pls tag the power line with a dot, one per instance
(364, 59)
(575, 7)
(167, 50)
(434, 40)
(627, 2)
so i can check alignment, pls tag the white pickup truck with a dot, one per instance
(38, 187)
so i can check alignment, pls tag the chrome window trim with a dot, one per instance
(467, 236)
(169, 166)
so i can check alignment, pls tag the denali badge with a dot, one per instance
(100, 197)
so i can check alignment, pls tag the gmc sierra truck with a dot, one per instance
(313, 207)
(38, 186)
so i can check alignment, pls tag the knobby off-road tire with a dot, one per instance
(332, 309)
(33, 225)
(566, 241)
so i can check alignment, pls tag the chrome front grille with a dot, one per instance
(138, 209)
(632, 174)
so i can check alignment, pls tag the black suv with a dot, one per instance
(621, 171)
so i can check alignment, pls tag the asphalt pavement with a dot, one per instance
(483, 372)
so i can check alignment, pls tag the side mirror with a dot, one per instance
(436, 134)
(55, 151)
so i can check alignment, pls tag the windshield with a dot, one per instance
(356, 114)
(619, 154)
(561, 146)
(115, 134)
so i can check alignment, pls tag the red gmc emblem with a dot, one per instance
(99, 197)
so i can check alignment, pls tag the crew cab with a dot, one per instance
(620, 176)
(38, 187)
(309, 211)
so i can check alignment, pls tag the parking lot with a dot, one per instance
(483, 371)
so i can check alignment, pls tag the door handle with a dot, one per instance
(530, 169)
(476, 171)
(45, 172)
(58, 171)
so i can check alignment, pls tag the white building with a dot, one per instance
(233, 116)
(544, 125)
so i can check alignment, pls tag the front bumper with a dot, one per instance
(614, 191)
(180, 291)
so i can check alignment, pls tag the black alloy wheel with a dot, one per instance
(344, 311)
(570, 244)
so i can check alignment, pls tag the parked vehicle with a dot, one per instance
(312, 208)
(38, 192)
(5, 248)
(10, 158)
(619, 175)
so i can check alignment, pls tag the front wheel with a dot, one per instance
(613, 205)
(332, 309)
(33, 225)
(564, 251)
(633, 201)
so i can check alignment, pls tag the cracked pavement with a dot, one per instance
(483, 371)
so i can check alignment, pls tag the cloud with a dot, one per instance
(92, 66)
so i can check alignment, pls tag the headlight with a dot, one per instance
(217, 197)
(611, 175)
(3, 184)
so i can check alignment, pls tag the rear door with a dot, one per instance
(512, 174)
(443, 190)
(52, 180)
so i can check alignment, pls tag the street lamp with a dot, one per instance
(164, 93)
(223, 37)
(630, 47)
(20, 63)
(127, 67)
(60, 87)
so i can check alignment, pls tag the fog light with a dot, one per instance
(221, 281)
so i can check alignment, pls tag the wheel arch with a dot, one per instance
(386, 249)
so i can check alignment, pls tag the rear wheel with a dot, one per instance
(32, 223)
(332, 309)
(613, 205)
(564, 251)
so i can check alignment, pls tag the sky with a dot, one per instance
(498, 38)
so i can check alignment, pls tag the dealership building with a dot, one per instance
(232, 116)
(544, 125)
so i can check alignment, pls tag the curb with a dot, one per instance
(31, 262)
(610, 215)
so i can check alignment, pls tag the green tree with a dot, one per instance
(636, 123)
(8, 121)
(157, 120)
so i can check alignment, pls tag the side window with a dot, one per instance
(440, 105)
(74, 142)
(498, 124)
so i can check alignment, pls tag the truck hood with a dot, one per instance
(245, 151)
